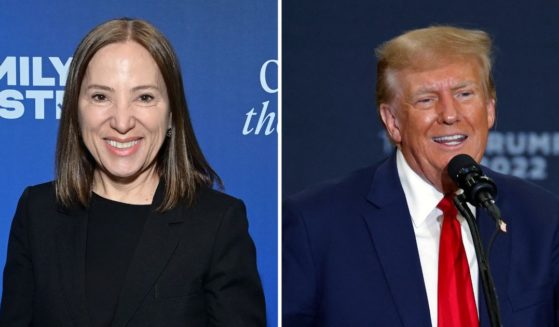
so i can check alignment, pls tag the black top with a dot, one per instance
(113, 231)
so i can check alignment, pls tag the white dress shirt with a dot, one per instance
(422, 199)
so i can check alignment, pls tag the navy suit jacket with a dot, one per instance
(350, 257)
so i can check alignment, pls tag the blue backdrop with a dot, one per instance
(329, 118)
(228, 54)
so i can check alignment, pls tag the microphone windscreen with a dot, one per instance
(460, 162)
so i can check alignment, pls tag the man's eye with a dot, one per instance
(99, 97)
(146, 98)
(425, 101)
(465, 94)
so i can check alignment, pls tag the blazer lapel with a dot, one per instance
(71, 243)
(159, 239)
(389, 222)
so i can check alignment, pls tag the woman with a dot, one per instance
(130, 233)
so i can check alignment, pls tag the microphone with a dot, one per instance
(467, 174)
(479, 189)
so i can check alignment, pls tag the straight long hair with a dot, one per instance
(180, 162)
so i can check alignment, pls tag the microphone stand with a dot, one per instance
(488, 284)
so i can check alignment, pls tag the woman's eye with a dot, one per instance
(99, 97)
(146, 98)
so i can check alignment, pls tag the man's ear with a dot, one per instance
(390, 121)
(491, 114)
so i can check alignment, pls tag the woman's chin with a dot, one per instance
(125, 174)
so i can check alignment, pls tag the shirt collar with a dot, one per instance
(422, 198)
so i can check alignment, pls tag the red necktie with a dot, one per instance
(456, 302)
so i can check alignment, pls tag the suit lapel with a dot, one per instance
(159, 239)
(389, 222)
(71, 243)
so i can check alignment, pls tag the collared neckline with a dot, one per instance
(422, 198)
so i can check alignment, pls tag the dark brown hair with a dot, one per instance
(180, 161)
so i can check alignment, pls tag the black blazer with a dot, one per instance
(193, 266)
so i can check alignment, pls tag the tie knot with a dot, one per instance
(447, 205)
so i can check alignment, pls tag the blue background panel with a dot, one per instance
(221, 45)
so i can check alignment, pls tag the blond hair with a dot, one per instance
(427, 47)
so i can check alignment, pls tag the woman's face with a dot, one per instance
(123, 111)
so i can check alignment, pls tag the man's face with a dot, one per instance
(438, 113)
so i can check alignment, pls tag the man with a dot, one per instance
(365, 250)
